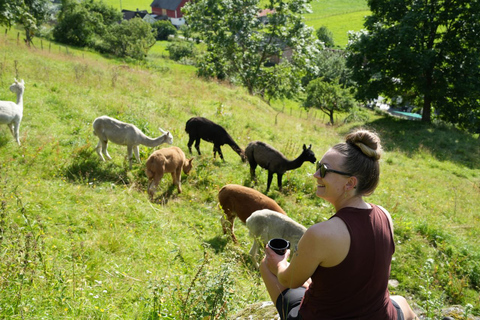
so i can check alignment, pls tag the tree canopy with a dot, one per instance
(425, 51)
(252, 45)
(29, 13)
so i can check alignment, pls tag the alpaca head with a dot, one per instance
(168, 137)
(187, 165)
(18, 86)
(242, 155)
(308, 154)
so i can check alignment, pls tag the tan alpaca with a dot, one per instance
(167, 160)
(239, 201)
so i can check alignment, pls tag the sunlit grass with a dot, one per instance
(81, 240)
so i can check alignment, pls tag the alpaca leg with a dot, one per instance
(152, 186)
(269, 181)
(176, 177)
(197, 145)
(219, 150)
(279, 181)
(98, 149)
(253, 166)
(129, 155)
(253, 252)
(137, 154)
(231, 220)
(14, 129)
(190, 143)
(228, 222)
(104, 149)
(17, 133)
(10, 126)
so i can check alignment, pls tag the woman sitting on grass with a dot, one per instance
(341, 267)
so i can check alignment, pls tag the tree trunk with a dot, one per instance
(427, 110)
(331, 118)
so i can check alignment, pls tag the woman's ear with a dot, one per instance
(351, 183)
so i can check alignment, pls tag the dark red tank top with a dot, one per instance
(357, 288)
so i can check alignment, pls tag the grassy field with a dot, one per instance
(339, 16)
(79, 238)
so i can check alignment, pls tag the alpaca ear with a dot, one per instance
(161, 130)
(304, 146)
(310, 147)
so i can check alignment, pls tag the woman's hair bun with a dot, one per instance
(367, 141)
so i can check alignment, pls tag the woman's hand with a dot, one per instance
(276, 262)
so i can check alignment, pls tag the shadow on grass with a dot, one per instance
(86, 167)
(442, 141)
(5, 138)
(166, 196)
(218, 243)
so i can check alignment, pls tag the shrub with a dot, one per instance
(179, 50)
(164, 29)
(132, 38)
(326, 36)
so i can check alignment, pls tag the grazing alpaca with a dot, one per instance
(125, 134)
(239, 201)
(11, 113)
(274, 161)
(202, 128)
(267, 224)
(163, 161)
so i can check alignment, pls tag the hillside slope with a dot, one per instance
(79, 238)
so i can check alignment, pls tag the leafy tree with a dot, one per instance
(423, 51)
(331, 65)
(28, 13)
(240, 47)
(328, 97)
(164, 29)
(84, 23)
(131, 38)
(326, 36)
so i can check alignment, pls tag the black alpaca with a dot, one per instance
(267, 157)
(202, 128)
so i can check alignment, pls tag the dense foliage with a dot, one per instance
(28, 13)
(93, 24)
(426, 52)
(326, 36)
(130, 38)
(83, 23)
(164, 29)
(250, 50)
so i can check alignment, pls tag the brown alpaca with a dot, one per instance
(167, 160)
(239, 201)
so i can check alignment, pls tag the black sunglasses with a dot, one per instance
(323, 170)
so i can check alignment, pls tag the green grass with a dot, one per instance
(79, 238)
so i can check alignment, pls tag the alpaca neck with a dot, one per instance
(294, 164)
(20, 99)
(151, 142)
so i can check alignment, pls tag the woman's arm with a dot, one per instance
(325, 244)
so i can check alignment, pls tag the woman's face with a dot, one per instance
(332, 186)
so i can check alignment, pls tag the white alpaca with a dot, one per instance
(268, 224)
(125, 134)
(11, 113)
